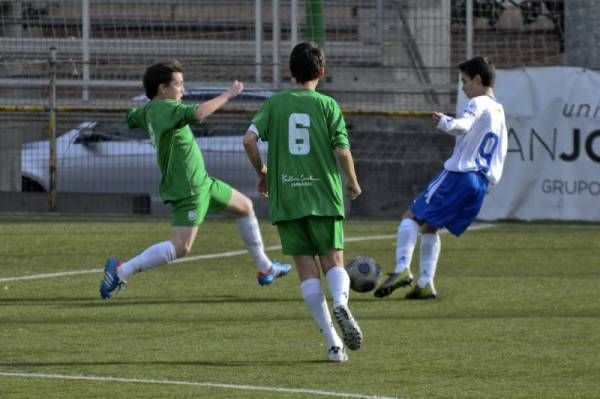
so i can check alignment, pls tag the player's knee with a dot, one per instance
(246, 206)
(408, 215)
(427, 229)
(240, 205)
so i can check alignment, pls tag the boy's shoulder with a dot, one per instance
(485, 99)
(482, 103)
(168, 106)
(485, 105)
(167, 102)
(301, 92)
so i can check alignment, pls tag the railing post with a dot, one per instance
(258, 40)
(469, 26)
(52, 132)
(85, 41)
(276, 43)
(293, 23)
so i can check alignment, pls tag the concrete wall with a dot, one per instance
(395, 158)
(582, 34)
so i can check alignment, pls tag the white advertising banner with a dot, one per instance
(552, 169)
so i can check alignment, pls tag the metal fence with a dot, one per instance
(379, 48)
(384, 57)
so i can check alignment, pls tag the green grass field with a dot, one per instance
(518, 316)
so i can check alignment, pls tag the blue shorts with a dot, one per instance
(451, 200)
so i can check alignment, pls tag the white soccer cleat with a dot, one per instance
(337, 354)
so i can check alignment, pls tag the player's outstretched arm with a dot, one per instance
(346, 161)
(454, 126)
(208, 107)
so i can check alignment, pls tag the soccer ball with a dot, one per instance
(364, 272)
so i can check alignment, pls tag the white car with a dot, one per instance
(107, 157)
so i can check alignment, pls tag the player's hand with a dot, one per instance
(436, 117)
(236, 88)
(262, 186)
(353, 190)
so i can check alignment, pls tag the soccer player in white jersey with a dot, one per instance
(454, 197)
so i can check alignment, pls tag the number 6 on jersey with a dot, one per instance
(299, 140)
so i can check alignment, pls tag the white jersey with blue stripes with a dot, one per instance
(481, 138)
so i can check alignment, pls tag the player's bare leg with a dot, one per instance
(313, 296)
(267, 269)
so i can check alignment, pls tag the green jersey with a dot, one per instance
(178, 155)
(303, 128)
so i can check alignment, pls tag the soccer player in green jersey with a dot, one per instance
(306, 133)
(185, 184)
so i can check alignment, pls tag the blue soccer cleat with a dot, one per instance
(277, 270)
(111, 280)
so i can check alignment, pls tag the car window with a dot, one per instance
(110, 131)
(248, 96)
(219, 128)
(119, 131)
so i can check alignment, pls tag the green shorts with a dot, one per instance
(191, 211)
(311, 235)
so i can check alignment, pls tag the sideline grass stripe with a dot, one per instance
(49, 275)
(180, 260)
(192, 383)
(209, 256)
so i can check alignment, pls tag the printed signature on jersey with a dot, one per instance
(298, 181)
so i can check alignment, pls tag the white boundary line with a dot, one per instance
(313, 392)
(194, 383)
(209, 256)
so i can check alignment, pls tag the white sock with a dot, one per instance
(339, 285)
(315, 300)
(156, 255)
(250, 232)
(430, 252)
(406, 238)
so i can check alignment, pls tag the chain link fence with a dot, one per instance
(389, 64)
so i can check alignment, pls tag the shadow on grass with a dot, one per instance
(202, 363)
(124, 301)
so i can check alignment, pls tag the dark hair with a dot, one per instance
(157, 74)
(306, 62)
(482, 66)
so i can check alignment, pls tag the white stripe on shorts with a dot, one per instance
(435, 185)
